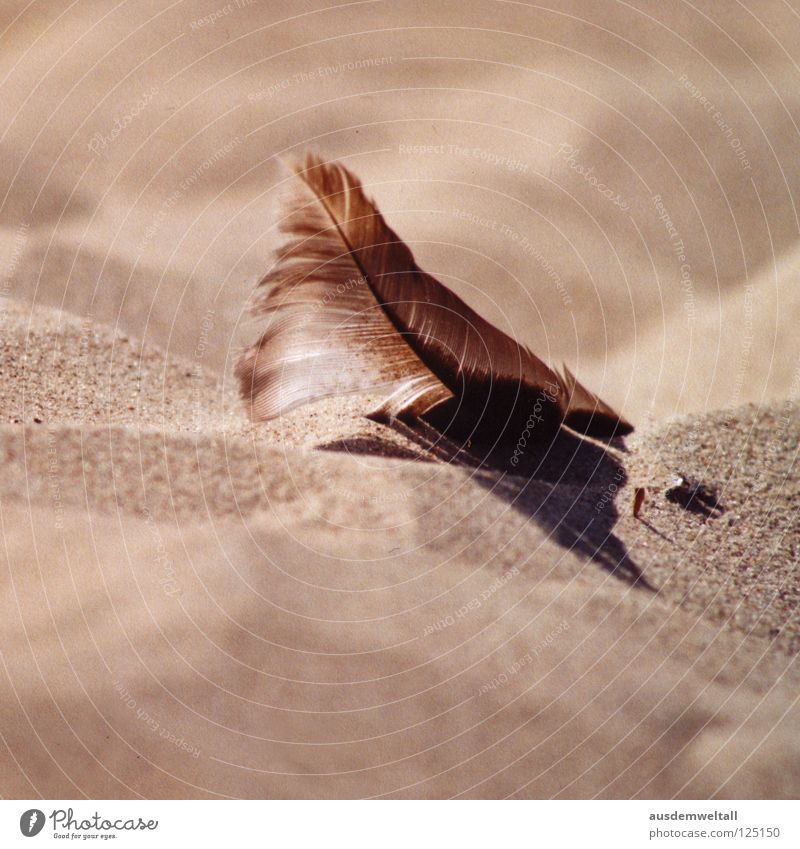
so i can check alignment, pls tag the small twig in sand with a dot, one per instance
(638, 500)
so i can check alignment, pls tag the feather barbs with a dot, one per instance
(348, 310)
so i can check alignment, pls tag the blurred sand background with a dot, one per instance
(196, 606)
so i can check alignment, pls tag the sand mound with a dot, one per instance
(213, 609)
(194, 606)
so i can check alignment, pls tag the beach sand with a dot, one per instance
(296, 621)
(197, 606)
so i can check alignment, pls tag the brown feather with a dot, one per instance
(588, 414)
(349, 310)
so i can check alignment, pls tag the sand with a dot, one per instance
(196, 606)
(226, 610)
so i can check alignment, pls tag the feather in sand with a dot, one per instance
(348, 310)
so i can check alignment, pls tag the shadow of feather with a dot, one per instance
(577, 506)
(578, 519)
(567, 486)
